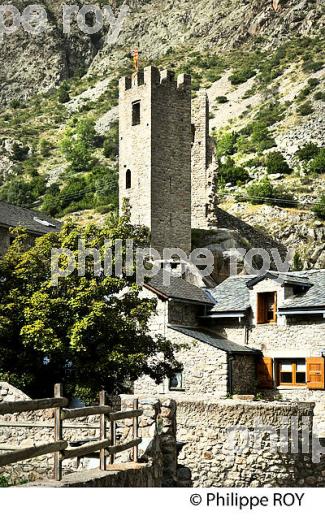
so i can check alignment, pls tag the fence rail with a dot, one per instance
(60, 448)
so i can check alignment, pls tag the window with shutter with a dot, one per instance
(266, 308)
(315, 373)
(265, 373)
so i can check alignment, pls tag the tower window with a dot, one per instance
(136, 113)
(193, 133)
(128, 179)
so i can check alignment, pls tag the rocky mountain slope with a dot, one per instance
(262, 62)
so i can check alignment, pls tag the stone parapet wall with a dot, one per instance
(206, 459)
(119, 476)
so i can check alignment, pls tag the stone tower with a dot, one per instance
(155, 155)
(203, 165)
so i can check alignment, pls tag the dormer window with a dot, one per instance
(266, 308)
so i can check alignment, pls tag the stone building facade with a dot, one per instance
(211, 365)
(155, 155)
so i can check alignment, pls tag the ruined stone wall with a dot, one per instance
(209, 460)
(158, 153)
(203, 164)
(243, 374)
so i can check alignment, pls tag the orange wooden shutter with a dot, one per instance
(315, 373)
(260, 309)
(275, 308)
(265, 373)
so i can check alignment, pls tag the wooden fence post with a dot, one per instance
(135, 430)
(58, 392)
(102, 402)
(113, 440)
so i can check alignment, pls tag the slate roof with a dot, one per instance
(179, 289)
(214, 340)
(315, 295)
(283, 278)
(33, 221)
(233, 295)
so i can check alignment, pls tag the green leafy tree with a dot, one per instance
(78, 144)
(87, 331)
(226, 144)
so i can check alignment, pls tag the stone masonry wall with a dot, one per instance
(205, 367)
(209, 460)
(243, 374)
(203, 164)
(205, 370)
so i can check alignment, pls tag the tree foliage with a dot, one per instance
(88, 331)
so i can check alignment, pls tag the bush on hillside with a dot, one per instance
(306, 109)
(276, 163)
(23, 193)
(242, 75)
(230, 173)
(319, 208)
(19, 152)
(307, 152)
(263, 192)
(319, 96)
(317, 165)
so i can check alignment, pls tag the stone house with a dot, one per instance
(37, 224)
(212, 364)
(251, 334)
(283, 316)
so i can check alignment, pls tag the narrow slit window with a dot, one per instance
(136, 113)
(128, 179)
(193, 133)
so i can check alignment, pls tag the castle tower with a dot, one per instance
(203, 165)
(155, 155)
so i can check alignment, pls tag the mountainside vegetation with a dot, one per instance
(262, 63)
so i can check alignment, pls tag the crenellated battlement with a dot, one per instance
(154, 77)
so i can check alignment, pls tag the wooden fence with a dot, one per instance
(106, 445)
